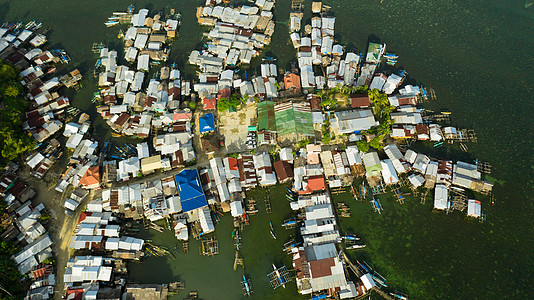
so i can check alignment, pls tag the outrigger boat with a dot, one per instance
(354, 193)
(399, 295)
(350, 237)
(273, 235)
(376, 204)
(438, 144)
(279, 277)
(111, 23)
(463, 147)
(289, 222)
(246, 286)
(352, 247)
(363, 190)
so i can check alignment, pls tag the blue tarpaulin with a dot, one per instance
(206, 123)
(190, 190)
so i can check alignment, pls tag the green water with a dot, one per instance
(477, 55)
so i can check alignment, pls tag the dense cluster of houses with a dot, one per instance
(127, 104)
(21, 225)
(237, 35)
(24, 47)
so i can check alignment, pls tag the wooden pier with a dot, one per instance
(210, 247)
(185, 246)
(459, 201)
(238, 261)
(483, 167)
(268, 204)
(343, 210)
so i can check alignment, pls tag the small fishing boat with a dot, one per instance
(113, 18)
(424, 93)
(352, 247)
(377, 206)
(111, 23)
(272, 234)
(399, 295)
(289, 222)
(463, 147)
(131, 8)
(364, 190)
(354, 193)
(492, 200)
(246, 286)
(438, 144)
(350, 237)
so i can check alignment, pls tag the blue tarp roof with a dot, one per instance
(206, 123)
(190, 190)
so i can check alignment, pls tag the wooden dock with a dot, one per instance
(185, 246)
(238, 261)
(483, 167)
(268, 204)
(210, 247)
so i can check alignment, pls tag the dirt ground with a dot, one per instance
(234, 127)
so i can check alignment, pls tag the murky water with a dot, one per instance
(476, 54)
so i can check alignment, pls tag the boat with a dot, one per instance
(363, 190)
(379, 279)
(398, 295)
(438, 144)
(111, 23)
(463, 147)
(131, 8)
(492, 200)
(352, 247)
(350, 237)
(289, 222)
(354, 193)
(279, 276)
(377, 206)
(424, 93)
(113, 18)
(272, 234)
(246, 286)
(268, 58)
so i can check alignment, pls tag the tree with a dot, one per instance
(326, 138)
(192, 105)
(363, 146)
(224, 104)
(303, 143)
(376, 143)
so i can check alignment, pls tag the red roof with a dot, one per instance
(322, 268)
(315, 183)
(84, 215)
(91, 177)
(232, 162)
(292, 81)
(209, 103)
(77, 294)
(224, 93)
(182, 116)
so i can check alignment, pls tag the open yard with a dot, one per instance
(234, 127)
